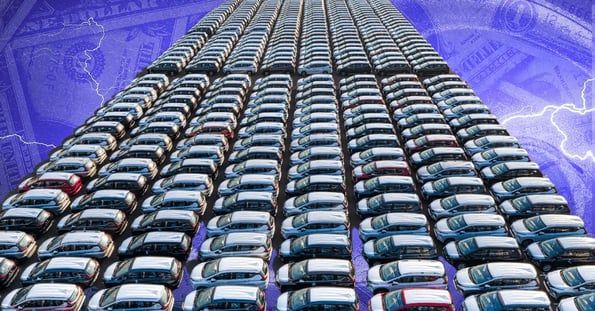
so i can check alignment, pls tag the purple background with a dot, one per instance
(529, 60)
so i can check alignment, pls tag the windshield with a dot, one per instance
(158, 199)
(57, 241)
(233, 182)
(239, 167)
(304, 154)
(393, 300)
(456, 223)
(137, 242)
(482, 141)
(434, 168)
(572, 277)
(304, 140)
(389, 271)
(421, 141)
(376, 201)
(230, 201)
(551, 248)
(380, 222)
(490, 302)
(489, 154)
(383, 245)
(168, 182)
(218, 243)
(109, 297)
(224, 220)
(302, 183)
(211, 268)
(479, 274)
(499, 169)
(301, 200)
(304, 167)
(417, 130)
(40, 268)
(427, 154)
(369, 168)
(123, 268)
(521, 203)
(203, 298)
(441, 185)
(298, 270)
(299, 244)
(362, 141)
(449, 202)
(300, 220)
(366, 154)
(299, 299)
(371, 183)
(511, 185)
(584, 302)
(534, 224)
(305, 129)
(467, 246)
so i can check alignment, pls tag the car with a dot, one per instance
(412, 299)
(161, 140)
(437, 154)
(227, 297)
(389, 202)
(313, 110)
(370, 128)
(171, 129)
(487, 142)
(443, 169)
(380, 168)
(420, 130)
(508, 170)
(94, 244)
(114, 128)
(45, 296)
(561, 252)
(482, 248)
(316, 153)
(382, 184)
(241, 221)
(373, 141)
(547, 226)
(476, 131)
(246, 201)
(223, 128)
(315, 140)
(167, 220)
(393, 223)
(175, 199)
(249, 182)
(74, 270)
(430, 141)
(188, 166)
(145, 270)
(366, 118)
(376, 154)
(533, 204)
(132, 296)
(230, 271)
(407, 273)
(315, 222)
(448, 186)
(237, 244)
(577, 303)
(204, 139)
(259, 141)
(469, 225)
(133, 182)
(117, 199)
(81, 166)
(315, 128)
(51, 200)
(268, 128)
(459, 204)
(516, 187)
(399, 246)
(157, 243)
(214, 153)
(185, 181)
(145, 167)
(112, 221)
(315, 245)
(506, 299)
(254, 166)
(316, 167)
(499, 155)
(315, 272)
(496, 276)
(572, 281)
(332, 183)
(315, 201)
(9, 269)
(152, 152)
(70, 183)
(256, 152)
(331, 298)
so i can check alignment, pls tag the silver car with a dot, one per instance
(241, 221)
(315, 201)
(255, 166)
(578, 303)
(133, 296)
(460, 204)
(95, 244)
(496, 275)
(406, 273)
(176, 199)
(509, 299)
(185, 181)
(316, 167)
(237, 244)
(469, 225)
(17, 244)
(315, 222)
(393, 223)
(52, 200)
(231, 271)
(571, 281)
(544, 227)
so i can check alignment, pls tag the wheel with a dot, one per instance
(380, 291)
(546, 268)
(461, 266)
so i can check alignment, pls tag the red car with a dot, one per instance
(211, 128)
(67, 182)
(430, 141)
(379, 168)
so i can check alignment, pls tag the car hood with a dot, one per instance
(534, 251)
(290, 187)
(196, 273)
(519, 227)
(462, 277)
(376, 303)
(26, 273)
(109, 272)
(283, 274)
(555, 280)
(366, 226)
(470, 304)
(124, 246)
(94, 301)
(498, 188)
(285, 248)
(374, 275)
(188, 304)
(282, 302)
(450, 249)
(369, 248)
(567, 305)
(442, 226)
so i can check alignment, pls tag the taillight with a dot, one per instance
(264, 277)
(261, 308)
(89, 276)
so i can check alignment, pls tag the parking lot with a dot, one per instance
(361, 58)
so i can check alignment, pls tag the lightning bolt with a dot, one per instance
(22, 140)
(570, 107)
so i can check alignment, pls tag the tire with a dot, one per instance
(546, 268)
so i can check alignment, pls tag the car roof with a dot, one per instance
(250, 216)
(494, 241)
(510, 297)
(140, 292)
(124, 176)
(56, 176)
(73, 160)
(411, 239)
(134, 161)
(257, 178)
(474, 198)
(174, 214)
(511, 269)
(424, 295)
(152, 263)
(534, 181)
(51, 291)
(324, 238)
(332, 295)
(546, 198)
(328, 265)
(243, 264)
(387, 179)
(325, 178)
(483, 219)
(81, 236)
(509, 150)
(551, 220)
(100, 213)
(11, 236)
(417, 267)
(390, 164)
(397, 196)
(163, 236)
(67, 263)
(21, 212)
(185, 177)
(110, 193)
(325, 196)
(254, 195)
(41, 193)
(464, 180)
(245, 238)
(406, 218)
(576, 242)
(326, 217)
(235, 292)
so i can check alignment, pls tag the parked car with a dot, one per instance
(460, 204)
(479, 249)
(520, 186)
(44, 296)
(112, 221)
(145, 270)
(407, 273)
(393, 223)
(412, 299)
(545, 227)
(157, 243)
(496, 276)
(81, 271)
(315, 222)
(167, 220)
(532, 205)
(399, 246)
(242, 244)
(227, 297)
(388, 203)
(132, 296)
(117, 199)
(70, 183)
(231, 271)
(561, 252)
(315, 272)
(328, 298)
(572, 281)
(241, 221)
(94, 244)
(315, 245)
(506, 299)
(577, 303)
